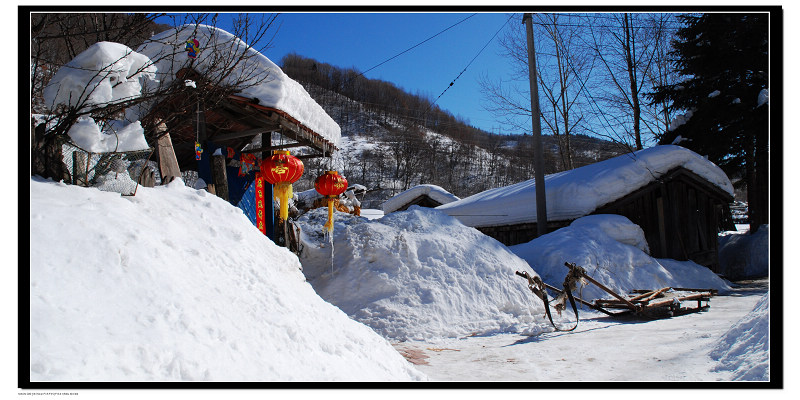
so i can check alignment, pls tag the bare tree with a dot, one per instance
(630, 48)
(228, 67)
(563, 70)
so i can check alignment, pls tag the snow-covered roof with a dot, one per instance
(106, 72)
(434, 192)
(167, 50)
(578, 192)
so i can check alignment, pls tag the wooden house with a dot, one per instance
(430, 196)
(681, 204)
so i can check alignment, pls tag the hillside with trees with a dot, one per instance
(394, 140)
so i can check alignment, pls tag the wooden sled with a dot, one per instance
(651, 304)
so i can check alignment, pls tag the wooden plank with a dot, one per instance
(80, 161)
(167, 162)
(241, 134)
(276, 147)
(654, 295)
(220, 176)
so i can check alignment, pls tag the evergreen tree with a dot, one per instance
(724, 59)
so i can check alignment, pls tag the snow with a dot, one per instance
(744, 256)
(578, 192)
(121, 292)
(264, 80)
(87, 135)
(714, 94)
(418, 274)
(746, 344)
(175, 284)
(763, 97)
(104, 73)
(679, 120)
(434, 192)
(613, 251)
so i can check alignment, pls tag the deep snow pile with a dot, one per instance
(104, 73)
(261, 78)
(744, 256)
(744, 350)
(177, 284)
(578, 192)
(434, 192)
(614, 252)
(419, 275)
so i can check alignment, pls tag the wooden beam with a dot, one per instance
(305, 156)
(219, 176)
(240, 134)
(167, 162)
(276, 147)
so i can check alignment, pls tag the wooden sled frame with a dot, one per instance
(651, 304)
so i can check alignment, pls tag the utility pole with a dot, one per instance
(538, 158)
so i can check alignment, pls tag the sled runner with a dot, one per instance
(651, 304)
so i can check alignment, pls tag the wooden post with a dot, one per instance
(167, 162)
(147, 178)
(220, 176)
(538, 158)
(79, 168)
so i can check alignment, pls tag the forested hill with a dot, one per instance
(393, 140)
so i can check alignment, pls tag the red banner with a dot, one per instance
(260, 216)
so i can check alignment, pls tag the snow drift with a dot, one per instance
(419, 274)
(614, 252)
(744, 350)
(744, 256)
(176, 284)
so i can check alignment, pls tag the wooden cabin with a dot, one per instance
(680, 215)
(680, 212)
(239, 130)
(430, 196)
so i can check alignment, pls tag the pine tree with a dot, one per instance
(724, 59)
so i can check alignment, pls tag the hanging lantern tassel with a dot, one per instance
(330, 185)
(281, 170)
(283, 192)
(329, 224)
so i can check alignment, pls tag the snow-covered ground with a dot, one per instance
(175, 284)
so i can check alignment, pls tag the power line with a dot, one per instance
(470, 63)
(417, 45)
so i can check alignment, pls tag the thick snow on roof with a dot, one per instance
(167, 50)
(578, 192)
(106, 72)
(432, 191)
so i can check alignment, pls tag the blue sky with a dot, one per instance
(364, 40)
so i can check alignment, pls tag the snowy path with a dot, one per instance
(600, 349)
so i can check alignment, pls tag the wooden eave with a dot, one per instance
(234, 122)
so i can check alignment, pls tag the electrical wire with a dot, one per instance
(414, 46)
(468, 64)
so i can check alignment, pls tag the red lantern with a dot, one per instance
(331, 185)
(281, 170)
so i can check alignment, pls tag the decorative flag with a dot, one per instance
(192, 46)
(260, 209)
(198, 151)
